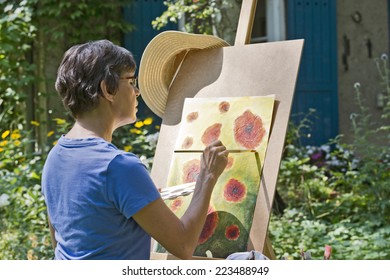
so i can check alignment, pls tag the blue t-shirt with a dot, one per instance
(92, 189)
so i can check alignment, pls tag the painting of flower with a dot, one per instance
(242, 124)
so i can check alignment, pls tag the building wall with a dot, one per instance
(374, 26)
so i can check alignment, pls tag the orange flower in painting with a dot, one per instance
(191, 170)
(187, 143)
(224, 106)
(249, 130)
(192, 116)
(229, 163)
(176, 204)
(211, 134)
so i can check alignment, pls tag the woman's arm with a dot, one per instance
(180, 236)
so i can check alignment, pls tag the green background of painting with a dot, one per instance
(246, 171)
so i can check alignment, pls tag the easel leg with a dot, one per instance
(268, 250)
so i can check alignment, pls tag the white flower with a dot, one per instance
(355, 163)
(143, 158)
(356, 85)
(146, 161)
(384, 56)
(309, 150)
(353, 116)
(152, 139)
(335, 162)
(4, 200)
(325, 148)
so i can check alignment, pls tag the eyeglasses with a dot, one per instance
(133, 80)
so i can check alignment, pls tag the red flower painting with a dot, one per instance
(192, 116)
(209, 227)
(234, 191)
(191, 171)
(224, 107)
(211, 134)
(187, 143)
(248, 130)
(232, 232)
(176, 204)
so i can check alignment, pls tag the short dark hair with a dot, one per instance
(82, 69)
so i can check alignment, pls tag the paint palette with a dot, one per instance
(241, 123)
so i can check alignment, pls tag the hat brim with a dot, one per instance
(158, 65)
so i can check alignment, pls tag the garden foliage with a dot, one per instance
(199, 15)
(29, 30)
(338, 194)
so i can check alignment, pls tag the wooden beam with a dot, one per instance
(245, 22)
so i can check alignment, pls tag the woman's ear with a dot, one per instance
(106, 94)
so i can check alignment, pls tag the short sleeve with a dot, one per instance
(129, 185)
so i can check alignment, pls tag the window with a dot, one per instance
(269, 22)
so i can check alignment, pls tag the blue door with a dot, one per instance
(315, 21)
(141, 13)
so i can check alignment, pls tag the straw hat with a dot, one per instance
(160, 61)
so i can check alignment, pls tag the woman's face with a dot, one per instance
(126, 99)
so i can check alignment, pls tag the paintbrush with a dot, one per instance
(201, 151)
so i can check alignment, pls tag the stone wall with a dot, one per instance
(360, 23)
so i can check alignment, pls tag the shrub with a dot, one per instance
(338, 194)
(23, 222)
(23, 226)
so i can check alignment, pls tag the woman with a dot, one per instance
(101, 201)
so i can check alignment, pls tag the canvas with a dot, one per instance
(243, 125)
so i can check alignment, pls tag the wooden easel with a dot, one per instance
(241, 70)
(243, 37)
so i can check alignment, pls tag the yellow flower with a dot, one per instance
(60, 121)
(5, 134)
(32, 237)
(46, 242)
(1, 149)
(136, 131)
(50, 133)
(17, 143)
(148, 121)
(35, 123)
(139, 124)
(128, 148)
(15, 135)
(55, 143)
(157, 127)
(3, 143)
(30, 255)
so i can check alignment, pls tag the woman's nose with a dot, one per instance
(137, 92)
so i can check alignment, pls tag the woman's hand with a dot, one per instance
(214, 160)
